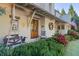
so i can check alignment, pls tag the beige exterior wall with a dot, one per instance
(24, 28)
(22, 22)
(5, 21)
(66, 28)
(63, 31)
(49, 32)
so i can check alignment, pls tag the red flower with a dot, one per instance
(62, 39)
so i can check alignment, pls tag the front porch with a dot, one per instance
(31, 22)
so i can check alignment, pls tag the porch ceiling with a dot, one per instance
(40, 11)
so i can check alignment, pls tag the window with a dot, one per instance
(62, 26)
(58, 27)
(51, 26)
(14, 25)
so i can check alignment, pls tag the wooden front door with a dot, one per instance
(34, 28)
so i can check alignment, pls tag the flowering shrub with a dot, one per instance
(61, 39)
(74, 34)
(77, 30)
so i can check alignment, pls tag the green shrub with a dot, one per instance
(70, 37)
(49, 47)
(77, 30)
(5, 51)
(22, 50)
(73, 35)
(55, 47)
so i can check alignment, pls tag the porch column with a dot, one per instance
(13, 11)
(12, 17)
(30, 20)
(29, 23)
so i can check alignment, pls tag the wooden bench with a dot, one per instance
(13, 39)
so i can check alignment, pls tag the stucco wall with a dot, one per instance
(66, 28)
(5, 21)
(42, 27)
(49, 32)
(22, 22)
(24, 28)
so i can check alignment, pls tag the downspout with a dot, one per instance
(13, 11)
(12, 18)
(13, 14)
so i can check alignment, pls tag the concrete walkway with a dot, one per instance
(72, 48)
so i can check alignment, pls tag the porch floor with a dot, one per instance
(72, 48)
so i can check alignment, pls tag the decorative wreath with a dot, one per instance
(51, 26)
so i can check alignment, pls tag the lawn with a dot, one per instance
(72, 48)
